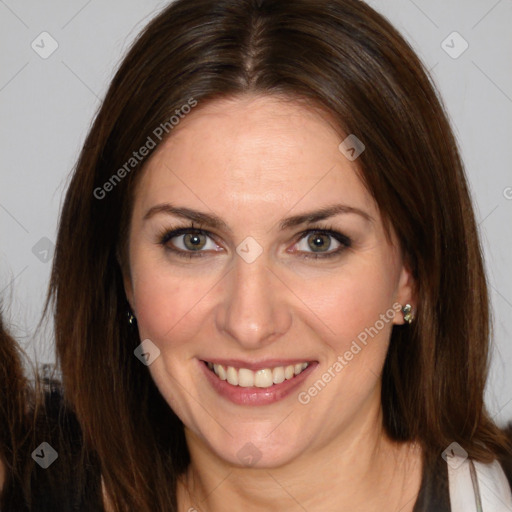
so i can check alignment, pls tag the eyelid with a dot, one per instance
(168, 234)
(344, 241)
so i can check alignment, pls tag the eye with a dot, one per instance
(315, 243)
(187, 242)
(192, 242)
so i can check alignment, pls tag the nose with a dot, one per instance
(254, 310)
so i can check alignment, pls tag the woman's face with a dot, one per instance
(247, 291)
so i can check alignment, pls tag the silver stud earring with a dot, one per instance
(408, 314)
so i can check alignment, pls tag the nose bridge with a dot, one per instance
(254, 311)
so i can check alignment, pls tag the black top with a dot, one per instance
(49, 484)
(63, 488)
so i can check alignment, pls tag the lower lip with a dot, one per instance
(254, 395)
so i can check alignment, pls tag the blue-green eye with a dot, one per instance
(190, 241)
(321, 239)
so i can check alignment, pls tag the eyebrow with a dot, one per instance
(216, 222)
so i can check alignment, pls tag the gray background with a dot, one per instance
(47, 105)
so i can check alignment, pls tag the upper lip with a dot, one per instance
(257, 365)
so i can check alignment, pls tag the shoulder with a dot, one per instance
(434, 493)
(489, 483)
(63, 474)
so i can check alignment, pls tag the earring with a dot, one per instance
(408, 314)
(131, 318)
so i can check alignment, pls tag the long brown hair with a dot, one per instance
(339, 55)
(14, 402)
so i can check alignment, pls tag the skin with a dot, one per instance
(254, 160)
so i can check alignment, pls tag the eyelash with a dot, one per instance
(169, 234)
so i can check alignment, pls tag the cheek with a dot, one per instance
(354, 305)
(167, 304)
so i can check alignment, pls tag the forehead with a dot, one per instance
(259, 153)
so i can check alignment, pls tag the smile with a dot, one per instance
(263, 378)
(264, 383)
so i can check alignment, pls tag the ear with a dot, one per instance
(405, 293)
(128, 289)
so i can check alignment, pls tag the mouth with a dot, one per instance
(259, 378)
(264, 383)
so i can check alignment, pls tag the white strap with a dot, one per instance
(462, 495)
(494, 488)
(487, 491)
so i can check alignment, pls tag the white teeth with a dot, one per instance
(245, 378)
(278, 375)
(219, 370)
(263, 378)
(232, 376)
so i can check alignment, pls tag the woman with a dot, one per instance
(268, 283)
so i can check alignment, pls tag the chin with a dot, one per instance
(256, 451)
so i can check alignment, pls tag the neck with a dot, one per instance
(359, 470)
